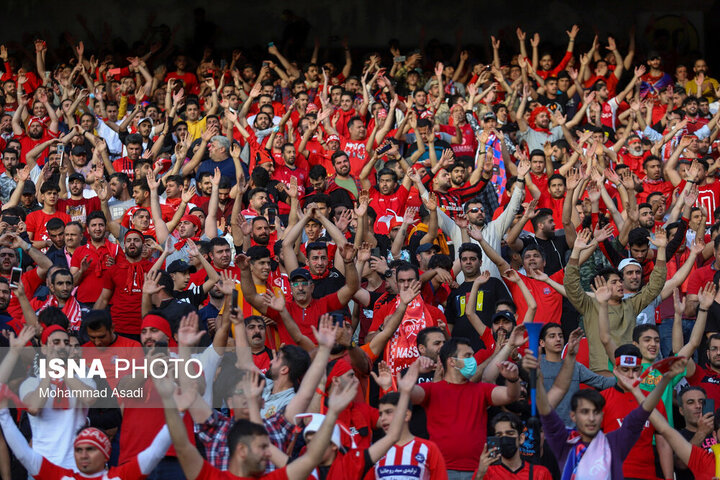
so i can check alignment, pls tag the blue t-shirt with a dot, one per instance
(227, 168)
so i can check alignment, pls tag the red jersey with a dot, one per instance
(126, 166)
(634, 162)
(549, 302)
(702, 463)
(469, 141)
(126, 280)
(27, 143)
(78, 210)
(457, 420)
(305, 317)
(708, 197)
(708, 379)
(651, 186)
(189, 81)
(640, 462)
(121, 347)
(91, 283)
(209, 472)
(50, 471)
(36, 223)
(283, 174)
(700, 277)
(356, 154)
(501, 472)
(166, 211)
(395, 201)
(418, 459)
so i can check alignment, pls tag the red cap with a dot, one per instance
(311, 107)
(330, 138)
(194, 219)
(96, 438)
(341, 367)
(49, 331)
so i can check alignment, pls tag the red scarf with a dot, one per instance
(71, 310)
(531, 121)
(135, 276)
(181, 243)
(103, 252)
(401, 351)
(62, 400)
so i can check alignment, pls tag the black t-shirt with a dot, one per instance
(554, 105)
(418, 421)
(194, 296)
(488, 296)
(174, 310)
(333, 282)
(555, 250)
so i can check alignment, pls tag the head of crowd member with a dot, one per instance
(544, 224)
(180, 270)
(259, 262)
(405, 275)
(192, 111)
(141, 219)
(204, 184)
(5, 294)
(133, 145)
(704, 108)
(509, 429)
(28, 198)
(657, 201)
(429, 342)
(8, 260)
(260, 231)
(475, 212)
(317, 257)
(646, 217)
(10, 158)
(613, 278)
(133, 242)
(76, 184)
(174, 186)
(638, 243)
(73, 235)
(140, 191)
(54, 342)
(647, 338)
(537, 162)
(341, 163)
(119, 185)
(318, 178)
(301, 286)
(470, 255)
(255, 331)
(690, 105)
(49, 194)
(713, 350)
(219, 148)
(634, 145)
(631, 272)
(627, 362)
(61, 284)
(457, 359)
(154, 329)
(257, 198)
(220, 253)
(653, 168)
(56, 232)
(552, 339)
(424, 253)
(387, 181)
(142, 167)
(691, 401)
(346, 101)
(533, 258)
(586, 411)
(459, 173)
(503, 320)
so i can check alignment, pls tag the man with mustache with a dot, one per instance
(122, 287)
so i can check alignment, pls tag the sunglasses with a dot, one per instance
(301, 284)
(475, 210)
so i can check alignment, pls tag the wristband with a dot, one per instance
(520, 180)
(348, 263)
(691, 181)
(513, 381)
(702, 310)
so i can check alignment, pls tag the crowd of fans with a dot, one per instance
(352, 252)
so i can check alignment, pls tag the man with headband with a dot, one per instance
(92, 452)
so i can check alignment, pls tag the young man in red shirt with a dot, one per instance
(461, 432)
(36, 221)
(77, 206)
(122, 287)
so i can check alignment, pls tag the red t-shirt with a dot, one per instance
(708, 197)
(501, 472)
(50, 471)
(284, 173)
(457, 420)
(469, 141)
(640, 462)
(91, 283)
(395, 201)
(126, 282)
(356, 154)
(304, 317)
(350, 465)
(78, 210)
(708, 379)
(362, 418)
(702, 463)
(209, 472)
(549, 302)
(37, 221)
(125, 165)
(635, 163)
(122, 347)
(700, 277)
(27, 144)
(166, 211)
(189, 81)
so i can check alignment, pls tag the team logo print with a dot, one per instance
(420, 458)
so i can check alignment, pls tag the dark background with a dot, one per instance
(680, 30)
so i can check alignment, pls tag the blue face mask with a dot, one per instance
(469, 367)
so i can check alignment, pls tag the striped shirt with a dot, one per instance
(418, 459)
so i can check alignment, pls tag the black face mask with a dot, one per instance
(508, 446)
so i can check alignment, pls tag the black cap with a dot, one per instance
(78, 150)
(180, 266)
(29, 188)
(504, 315)
(653, 54)
(300, 273)
(76, 176)
(426, 247)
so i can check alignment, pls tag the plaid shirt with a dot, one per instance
(213, 434)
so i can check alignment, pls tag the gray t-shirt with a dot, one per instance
(581, 374)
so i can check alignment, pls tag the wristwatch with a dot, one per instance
(388, 273)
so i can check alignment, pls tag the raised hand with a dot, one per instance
(660, 240)
(511, 275)
(706, 295)
(574, 341)
(508, 369)
(523, 168)
(407, 382)
(277, 303)
(347, 252)
(601, 290)
(384, 376)
(407, 296)
(326, 332)
(188, 334)
(583, 239)
(341, 397)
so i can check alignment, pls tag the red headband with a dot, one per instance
(341, 367)
(96, 438)
(156, 321)
(194, 219)
(135, 232)
(49, 331)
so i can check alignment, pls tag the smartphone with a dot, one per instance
(160, 347)
(270, 44)
(61, 148)
(384, 148)
(375, 252)
(265, 64)
(494, 443)
(223, 63)
(15, 276)
(235, 298)
(271, 213)
(114, 71)
(400, 59)
(708, 406)
(338, 319)
(11, 219)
